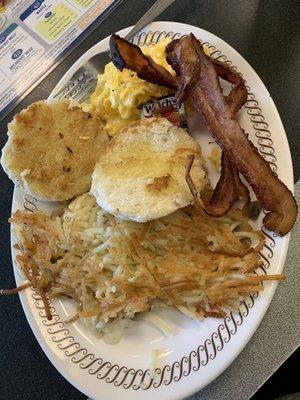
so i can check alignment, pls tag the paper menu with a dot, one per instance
(50, 19)
(36, 35)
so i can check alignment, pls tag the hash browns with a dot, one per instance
(114, 269)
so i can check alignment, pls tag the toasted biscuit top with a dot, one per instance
(52, 149)
(142, 175)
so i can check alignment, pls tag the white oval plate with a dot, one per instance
(198, 351)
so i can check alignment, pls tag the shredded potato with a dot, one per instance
(114, 269)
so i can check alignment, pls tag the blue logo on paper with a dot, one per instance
(2, 38)
(16, 54)
(31, 9)
(48, 14)
(36, 5)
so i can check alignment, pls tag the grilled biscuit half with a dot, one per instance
(142, 175)
(52, 149)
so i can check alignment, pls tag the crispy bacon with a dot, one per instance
(228, 189)
(128, 55)
(208, 98)
(224, 194)
(236, 99)
(178, 51)
(238, 95)
(191, 73)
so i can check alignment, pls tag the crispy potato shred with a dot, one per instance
(113, 269)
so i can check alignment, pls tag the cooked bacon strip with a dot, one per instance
(190, 72)
(128, 55)
(238, 95)
(274, 196)
(236, 99)
(225, 192)
(228, 189)
(170, 57)
(171, 47)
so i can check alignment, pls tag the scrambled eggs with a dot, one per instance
(119, 93)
